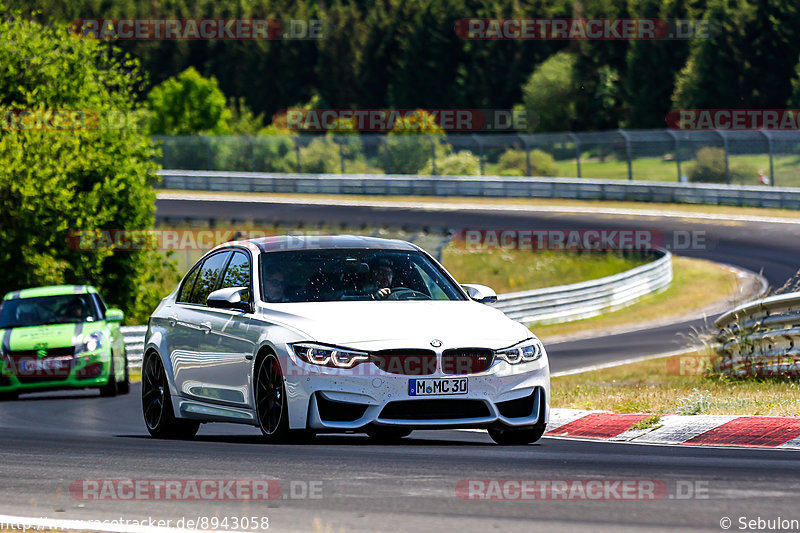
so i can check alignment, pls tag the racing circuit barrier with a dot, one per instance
(760, 338)
(586, 299)
(483, 186)
(551, 304)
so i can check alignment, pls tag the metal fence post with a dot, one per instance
(480, 151)
(677, 151)
(209, 158)
(628, 153)
(297, 152)
(769, 149)
(433, 154)
(252, 152)
(725, 150)
(388, 159)
(341, 155)
(527, 153)
(577, 150)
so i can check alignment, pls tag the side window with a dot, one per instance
(186, 289)
(208, 277)
(238, 274)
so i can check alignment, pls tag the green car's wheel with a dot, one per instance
(8, 396)
(124, 386)
(110, 388)
(157, 404)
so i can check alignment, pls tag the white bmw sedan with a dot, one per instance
(303, 335)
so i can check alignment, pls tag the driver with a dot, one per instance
(74, 311)
(381, 279)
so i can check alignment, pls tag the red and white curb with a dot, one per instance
(695, 430)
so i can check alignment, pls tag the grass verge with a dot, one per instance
(517, 270)
(696, 284)
(674, 385)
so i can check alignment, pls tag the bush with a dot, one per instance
(410, 143)
(463, 163)
(189, 103)
(79, 179)
(709, 167)
(542, 163)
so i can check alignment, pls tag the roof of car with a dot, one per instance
(324, 242)
(52, 290)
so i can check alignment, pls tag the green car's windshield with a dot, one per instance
(39, 311)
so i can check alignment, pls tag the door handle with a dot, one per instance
(206, 327)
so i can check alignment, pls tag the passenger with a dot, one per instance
(275, 286)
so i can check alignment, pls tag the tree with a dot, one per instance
(549, 94)
(189, 103)
(69, 166)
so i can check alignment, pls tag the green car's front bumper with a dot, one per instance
(90, 369)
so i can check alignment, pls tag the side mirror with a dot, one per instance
(230, 298)
(114, 315)
(480, 293)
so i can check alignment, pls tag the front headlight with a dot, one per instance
(527, 351)
(317, 354)
(91, 342)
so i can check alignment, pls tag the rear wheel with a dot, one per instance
(270, 396)
(515, 437)
(157, 403)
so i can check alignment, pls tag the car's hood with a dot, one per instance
(409, 324)
(49, 336)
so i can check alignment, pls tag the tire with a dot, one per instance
(8, 396)
(109, 390)
(269, 390)
(124, 386)
(387, 435)
(516, 437)
(157, 404)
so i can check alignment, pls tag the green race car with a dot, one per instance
(60, 337)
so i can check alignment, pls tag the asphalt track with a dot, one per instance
(51, 440)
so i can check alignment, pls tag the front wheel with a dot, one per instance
(110, 388)
(157, 404)
(516, 437)
(270, 396)
(124, 386)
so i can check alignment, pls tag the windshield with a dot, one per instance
(64, 309)
(334, 275)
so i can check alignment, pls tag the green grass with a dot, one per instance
(684, 296)
(668, 386)
(515, 270)
(787, 168)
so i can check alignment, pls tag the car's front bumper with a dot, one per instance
(327, 399)
(86, 370)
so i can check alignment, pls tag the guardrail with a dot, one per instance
(551, 304)
(760, 338)
(492, 186)
(588, 298)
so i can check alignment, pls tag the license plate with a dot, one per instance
(437, 387)
(44, 366)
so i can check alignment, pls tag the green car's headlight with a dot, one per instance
(525, 352)
(91, 342)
